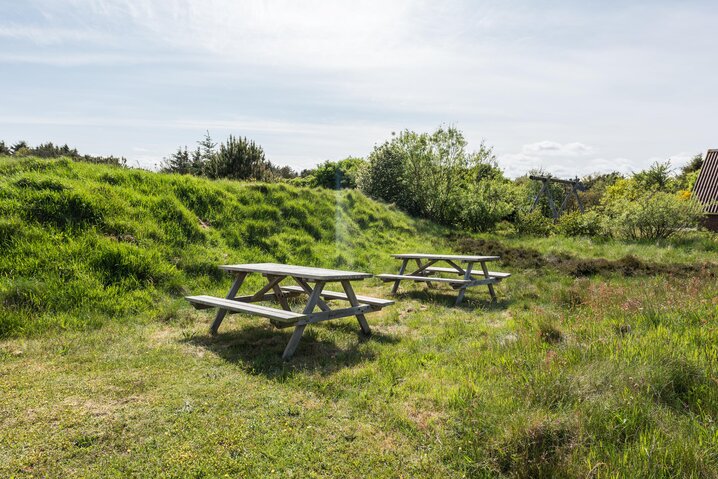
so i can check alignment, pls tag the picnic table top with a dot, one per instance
(304, 272)
(444, 257)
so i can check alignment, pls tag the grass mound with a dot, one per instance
(83, 242)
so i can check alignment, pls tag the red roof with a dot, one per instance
(706, 187)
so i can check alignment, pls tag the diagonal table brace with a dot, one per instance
(314, 298)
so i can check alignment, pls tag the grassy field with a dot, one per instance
(577, 371)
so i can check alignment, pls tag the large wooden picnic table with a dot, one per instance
(426, 272)
(273, 290)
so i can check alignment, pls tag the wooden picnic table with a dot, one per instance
(426, 272)
(275, 291)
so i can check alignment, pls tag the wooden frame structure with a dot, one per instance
(285, 317)
(706, 189)
(575, 187)
(426, 272)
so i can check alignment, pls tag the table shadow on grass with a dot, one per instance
(447, 298)
(258, 349)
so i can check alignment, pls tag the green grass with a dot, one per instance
(83, 243)
(600, 376)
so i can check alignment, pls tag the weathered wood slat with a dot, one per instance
(239, 307)
(306, 272)
(394, 277)
(378, 302)
(335, 314)
(444, 257)
(492, 274)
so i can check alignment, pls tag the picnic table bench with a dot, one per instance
(274, 291)
(426, 272)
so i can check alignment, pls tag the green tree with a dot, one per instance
(178, 162)
(433, 176)
(239, 159)
(658, 177)
(336, 175)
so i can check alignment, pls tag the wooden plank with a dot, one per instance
(395, 287)
(491, 286)
(299, 329)
(422, 267)
(378, 302)
(251, 298)
(353, 301)
(467, 277)
(281, 298)
(249, 308)
(335, 314)
(400, 277)
(493, 274)
(308, 289)
(238, 280)
(444, 257)
(305, 272)
(272, 281)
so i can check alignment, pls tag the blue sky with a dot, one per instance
(572, 87)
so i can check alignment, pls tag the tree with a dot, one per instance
(336, 175)
(283, 172)
(19, 146)
(178, 162)
(656, 178)
(239, 159)
(433, 176)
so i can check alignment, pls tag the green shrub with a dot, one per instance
(487, 203)
(337, 175)
(534, 224)
(575, 223)
(433, 176)
(652, 216)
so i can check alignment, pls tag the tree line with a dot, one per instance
(434, 176)
(50, 150)
(236, 158)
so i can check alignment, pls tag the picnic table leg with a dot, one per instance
(221, 313)
(395, 288)
(462, 290)
(308, 289)
(281, 298)
(491, 286)
(429, 284)
(299, 329)
(354, 302)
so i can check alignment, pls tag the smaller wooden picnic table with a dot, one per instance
(426, 272)
(285, 317)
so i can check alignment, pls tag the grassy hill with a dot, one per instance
(83, 243)
(600, 358)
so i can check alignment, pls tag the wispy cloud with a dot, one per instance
(315, 79)
(50, 36)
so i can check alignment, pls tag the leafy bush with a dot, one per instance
(337, 175)
(434, 177)
(534, 224)
(487, 203)
(574, 223)
(652, 216)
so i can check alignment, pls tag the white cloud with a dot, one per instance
(575, 159)
(317, 79)
(552, 148)
(50, 36)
